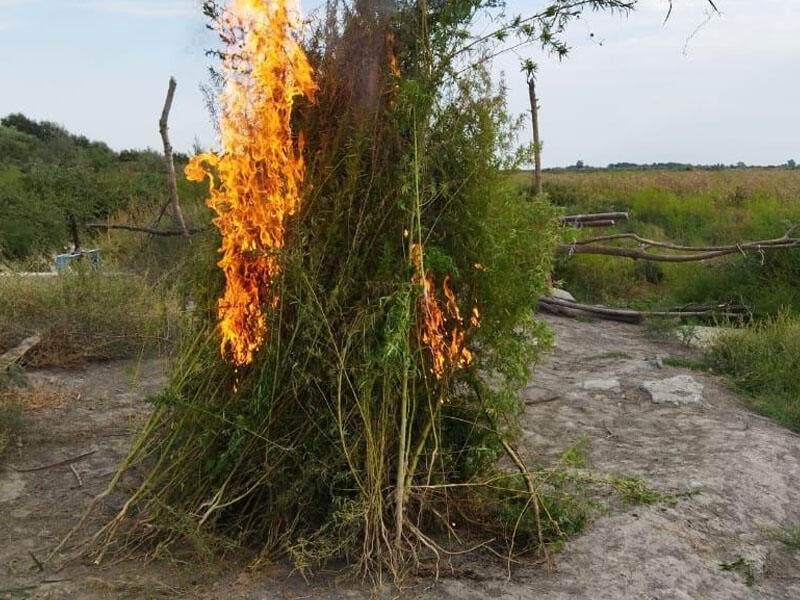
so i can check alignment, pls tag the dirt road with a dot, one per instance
(736, 475)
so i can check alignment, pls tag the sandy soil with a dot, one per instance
(740, 474)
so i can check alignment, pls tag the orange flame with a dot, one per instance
(255, 179)
(447, 347)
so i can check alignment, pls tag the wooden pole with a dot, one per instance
(537, 144)
(173, 184)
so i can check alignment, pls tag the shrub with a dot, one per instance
(764, 361)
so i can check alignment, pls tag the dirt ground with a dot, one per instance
(737, 476)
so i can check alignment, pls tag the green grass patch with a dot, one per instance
(687, 363)
(10, 420)
(788, 535)
(575, 455)
(763, 361)
(10, 410)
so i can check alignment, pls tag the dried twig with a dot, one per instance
(173, 185)
(142, 229)
(77, 475)
(60, 463)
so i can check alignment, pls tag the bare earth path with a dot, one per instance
(743, 473)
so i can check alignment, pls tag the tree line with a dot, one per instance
(50, 177)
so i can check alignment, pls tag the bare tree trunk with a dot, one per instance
(73, 229)
(537, 145)
(173, 184)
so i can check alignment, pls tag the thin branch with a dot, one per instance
(551, 13)
(150, 230)
(60, 463)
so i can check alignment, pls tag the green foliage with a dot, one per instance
(687, 363)
(48, 175)
(10, 418)
(575, 455)
(788, 535)
(12, 378)
(763, 361)
(743, 566)
(633, 490)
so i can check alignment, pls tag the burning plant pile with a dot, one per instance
(352, 383)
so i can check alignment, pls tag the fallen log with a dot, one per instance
(593, 219)
(569, 308)
(19, 351)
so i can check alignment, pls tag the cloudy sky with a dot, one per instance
(702, 88)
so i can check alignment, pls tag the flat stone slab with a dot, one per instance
(679, 390)
(611, 383)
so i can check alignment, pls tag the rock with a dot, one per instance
(679, 390)
(703, 338)
(600, 384)
(560, 294)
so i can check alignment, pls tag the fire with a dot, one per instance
(447, 347)
(255, 180)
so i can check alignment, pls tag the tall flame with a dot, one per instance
(255, 179)
(448, 348)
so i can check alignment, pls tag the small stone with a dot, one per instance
(560, 294)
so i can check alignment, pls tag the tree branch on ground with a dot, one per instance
(151, 230)
(688, 253)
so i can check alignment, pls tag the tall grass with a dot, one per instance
(764, 362)
(86, 316)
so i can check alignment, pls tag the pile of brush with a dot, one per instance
(353, 379)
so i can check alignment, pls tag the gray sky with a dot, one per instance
(701, 88)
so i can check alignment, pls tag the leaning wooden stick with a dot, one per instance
(173, 184)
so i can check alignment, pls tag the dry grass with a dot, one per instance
(35, 399)
(721, 184)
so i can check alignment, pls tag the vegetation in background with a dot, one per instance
(763, 361)
(696, 207)
(48, 175)
(701, 207)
